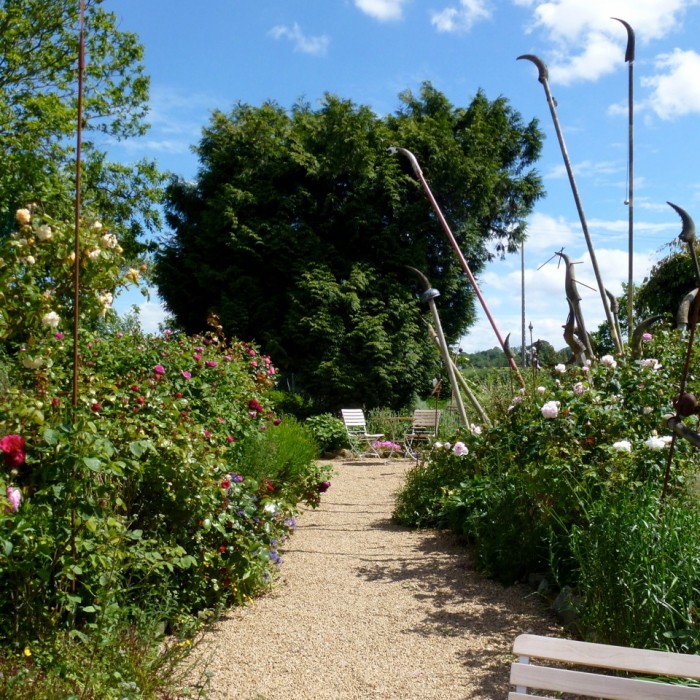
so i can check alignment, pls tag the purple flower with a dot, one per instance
(323, 486)
(159, 369)
(14, 496)
(211, 363)
(290, 523)
(197, 356)
(186, 374)
(237, 478)
(275, 558)
(59, 335)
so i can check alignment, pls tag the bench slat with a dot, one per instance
(647, 661)
(596, 685)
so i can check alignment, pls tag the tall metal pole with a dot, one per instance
(522, 306)
(543, 78)
(455, 246)
(629, 59)
(78, 167)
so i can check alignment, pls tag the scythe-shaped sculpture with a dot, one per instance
(574, 299)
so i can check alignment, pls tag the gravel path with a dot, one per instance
(367, 610)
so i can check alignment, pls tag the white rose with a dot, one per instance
(608, 361)
(623, 446)
(109, 240)
(550, 409)
(655, 443)
(51, 319)
(44, 233)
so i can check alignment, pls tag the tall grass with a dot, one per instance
(639, 571)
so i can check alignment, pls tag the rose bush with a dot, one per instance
(570, 448)
(142, 498)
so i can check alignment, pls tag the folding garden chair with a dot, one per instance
(360, 440)
(423, 429)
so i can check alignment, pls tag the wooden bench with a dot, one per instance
(538, 679)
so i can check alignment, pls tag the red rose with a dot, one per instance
(13, 447)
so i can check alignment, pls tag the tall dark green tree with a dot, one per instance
(301, 224)
(38, 114)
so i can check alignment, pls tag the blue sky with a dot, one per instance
(212, 54)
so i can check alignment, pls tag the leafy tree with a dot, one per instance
(300, 225)
(668, 282)
(38, 114)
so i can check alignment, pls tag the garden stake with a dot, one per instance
(460, 256)
(687, 235)
(543, 78)
(463, 383)
(76, 264)
(429, 295)
(629, 59)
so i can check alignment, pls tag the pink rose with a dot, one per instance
(14, 496)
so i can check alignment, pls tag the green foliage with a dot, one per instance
(37, 266)
(161, 490)
(420, 501)
(123, 664)
(667, 283)
(638, 562)
(38, 107)
(301, 224)
(329, 432)
(568, 482)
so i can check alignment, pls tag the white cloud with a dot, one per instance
(383, 10)
(675, 90)
(461, 18)
(545, 234)
(587, 42)
(313, 45)
(545, 300)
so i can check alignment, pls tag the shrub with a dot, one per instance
(134, 502)
(544, 489)
(328, 431)
(639, 579)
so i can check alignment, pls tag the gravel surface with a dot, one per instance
(366, 609)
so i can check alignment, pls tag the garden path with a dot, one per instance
(365, 609)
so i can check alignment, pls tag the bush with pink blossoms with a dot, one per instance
(582, 446)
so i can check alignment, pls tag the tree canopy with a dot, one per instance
(300, 225)
(38, 114)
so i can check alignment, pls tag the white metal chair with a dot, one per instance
(423, 429)
(361, 442)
